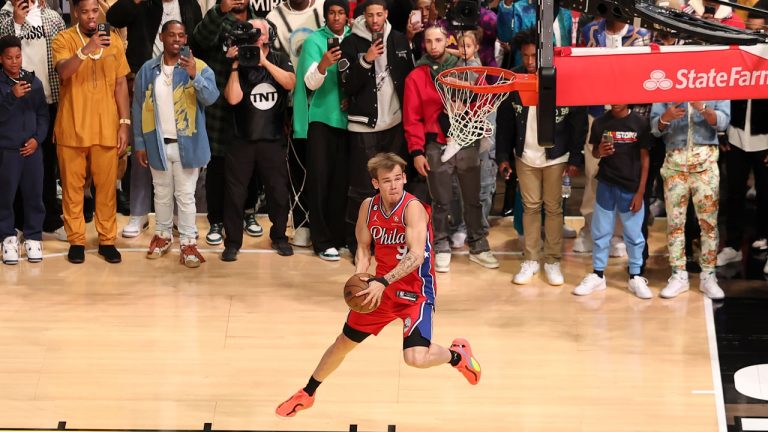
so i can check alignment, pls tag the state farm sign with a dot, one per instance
(589, 76)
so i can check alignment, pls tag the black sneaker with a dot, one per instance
(282, 247)
(229, 254)
(214, 236)
(252, 227)
(110, 254)
(76, 254)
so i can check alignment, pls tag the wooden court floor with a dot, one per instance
(153, 345)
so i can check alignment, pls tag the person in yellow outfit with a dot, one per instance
(92, 125)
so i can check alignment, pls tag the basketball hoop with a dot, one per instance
(471, 93)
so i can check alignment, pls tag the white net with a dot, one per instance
(469, 95)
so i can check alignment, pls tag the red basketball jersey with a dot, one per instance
(388, 232)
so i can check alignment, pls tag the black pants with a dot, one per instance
(214, 190)
(53, 220)
(22, 174)
(268, 157)
(655, 161)
(362, 147)
(327, 155)
(738, 164)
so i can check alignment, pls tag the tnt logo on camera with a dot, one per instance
(264, 96)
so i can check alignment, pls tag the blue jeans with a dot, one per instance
(611, 200)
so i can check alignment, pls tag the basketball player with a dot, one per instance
(404, 285)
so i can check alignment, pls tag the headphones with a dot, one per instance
(272, 30)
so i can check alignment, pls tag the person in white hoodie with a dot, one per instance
(375, 59)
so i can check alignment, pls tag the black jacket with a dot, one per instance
(512, 122)
(359, 82)
(739, 115)
(143, 22)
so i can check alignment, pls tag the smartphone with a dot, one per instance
(332, 43)
(184, 51)
(103, 27)
(376, 36)
(27, 77)
(416, 18)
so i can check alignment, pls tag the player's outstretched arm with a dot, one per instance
(363, 254)
(416, 239)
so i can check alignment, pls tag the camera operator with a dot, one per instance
(258, 88)
(208, 38)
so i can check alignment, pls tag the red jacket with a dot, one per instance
(421, 107)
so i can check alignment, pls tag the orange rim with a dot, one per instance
(483, 88)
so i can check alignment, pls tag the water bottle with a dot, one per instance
(566, 186)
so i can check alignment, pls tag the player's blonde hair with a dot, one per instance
(386, 162)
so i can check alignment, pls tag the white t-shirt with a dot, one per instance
(33, 46)
(535, 155)
(743, 138)
(171, 11)
(166, 112)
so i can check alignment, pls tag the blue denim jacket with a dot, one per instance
(676, 134)
(190, 97)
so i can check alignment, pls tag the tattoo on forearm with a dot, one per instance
(407, 265)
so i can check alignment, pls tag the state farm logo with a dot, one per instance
(658, 80)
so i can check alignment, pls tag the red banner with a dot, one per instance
(598, 76)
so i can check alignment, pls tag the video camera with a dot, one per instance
(244, 36)
(463, 14)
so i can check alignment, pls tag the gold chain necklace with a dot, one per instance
(92, 56)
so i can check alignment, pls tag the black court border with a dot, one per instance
(207, 427)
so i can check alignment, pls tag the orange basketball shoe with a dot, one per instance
(468, 366)
(299, 401)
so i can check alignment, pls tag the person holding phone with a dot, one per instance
(165, 120)
(24, 122)
(621, 141)
(322, 120)
(689, 131)
(36, 25)
(375, 62)
(92, 125)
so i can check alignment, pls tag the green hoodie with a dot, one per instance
(326, 100)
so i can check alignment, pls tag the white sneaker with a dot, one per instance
(458, 239)
(485, 259)
(34, 249)
(301, 237)
(11, 250)
(60, 234)
(708, 285)
(676, 285)
(553, 273)
(330, 254)
(583, 242)
(569, 232)
(526, 273)
(761, 244)
(590, 284)
(443, 262)
(618, 248)
(638, 286)
(728, 255)
(136, 225)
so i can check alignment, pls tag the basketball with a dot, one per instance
(353, 286)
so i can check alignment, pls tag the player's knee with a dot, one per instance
(345, 344)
